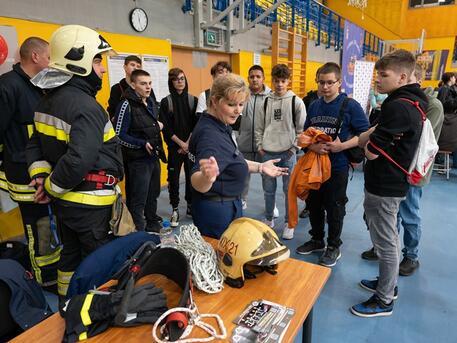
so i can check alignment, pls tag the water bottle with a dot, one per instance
(167, 238)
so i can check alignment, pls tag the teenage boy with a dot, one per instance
(138, 129)
(397, 133)
(177, 112)
(118, 90)
(409, 212)
(221, 68)
(252, 111)
(275, 136)
(330, 200)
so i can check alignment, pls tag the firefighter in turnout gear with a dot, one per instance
(18, 100)
(74, 156)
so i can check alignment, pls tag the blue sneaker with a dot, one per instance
(373, 307)
(370, 285)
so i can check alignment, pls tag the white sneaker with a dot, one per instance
(174, 220)
(275, 212)
(270, 223)
(288, 233)
(244, 204)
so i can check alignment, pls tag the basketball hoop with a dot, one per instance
(361, 4)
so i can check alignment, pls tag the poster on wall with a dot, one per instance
(157, 66)
(8, 47)
(352, 51)
(116, 68)
(363, 75)
(433, 63)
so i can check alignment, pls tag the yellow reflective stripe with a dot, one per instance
(1, 147)
(30, 130)
(3, 183)
(110, 134)
(21, 197)
(21, 188)
(52, 131)
(48, 259)
(63, 281)
(31, 239)
(89, 199)
(85, 317)
(82, 336)
(48, 187)
(39, 167)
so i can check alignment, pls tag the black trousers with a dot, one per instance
(175, 162)
(82, 230)
(144, 189)
(43, 258)
(330, 199)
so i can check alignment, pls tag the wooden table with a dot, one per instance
(297, 284)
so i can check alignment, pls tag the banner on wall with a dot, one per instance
(433, 63)
(157, 66)
(363, 74)
(352, 51)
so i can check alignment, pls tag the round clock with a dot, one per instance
(138, 19)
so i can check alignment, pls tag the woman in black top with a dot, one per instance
(219, 169)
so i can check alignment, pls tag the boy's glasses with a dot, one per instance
(177, 79)
(328, 83)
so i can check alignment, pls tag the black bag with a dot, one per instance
(17, 251)
(355, 154)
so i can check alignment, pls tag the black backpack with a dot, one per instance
(265, 103)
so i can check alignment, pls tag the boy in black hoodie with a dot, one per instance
(397, 133)
(177, 112)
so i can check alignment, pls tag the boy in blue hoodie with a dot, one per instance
(331, 198)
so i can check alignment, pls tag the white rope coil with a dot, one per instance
(202, 258)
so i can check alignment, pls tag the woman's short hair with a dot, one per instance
(228, 86)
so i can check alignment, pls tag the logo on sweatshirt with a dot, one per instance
(277, 115)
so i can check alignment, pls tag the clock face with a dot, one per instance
(138, 19)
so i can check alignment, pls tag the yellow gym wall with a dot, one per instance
(244, 60)
(381, 17)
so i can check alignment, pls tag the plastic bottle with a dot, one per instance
(167, 238)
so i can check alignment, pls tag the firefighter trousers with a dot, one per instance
(82, 230)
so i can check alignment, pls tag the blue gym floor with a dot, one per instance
(426, 309)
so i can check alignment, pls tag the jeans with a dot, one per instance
(175, 162)
(269, 183)
(381, 216)
(330, 199)
(144, 185)
(409, 218)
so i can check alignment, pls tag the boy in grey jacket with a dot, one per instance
(276, 134)
(252, 111)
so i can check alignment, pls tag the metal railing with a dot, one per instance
(323, 25)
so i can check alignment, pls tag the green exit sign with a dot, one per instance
(213, 37)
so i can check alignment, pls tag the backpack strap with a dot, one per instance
(265, 103)
(341, 117)
(416, 105)
(191, 100)
(122, 91)
(383, 153)
(170, 103)
(293, 111)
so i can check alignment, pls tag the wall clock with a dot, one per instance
(138, 19)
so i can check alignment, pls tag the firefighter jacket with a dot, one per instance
(309, 173)
(18, 99)
(73, 137)
(137, 124)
